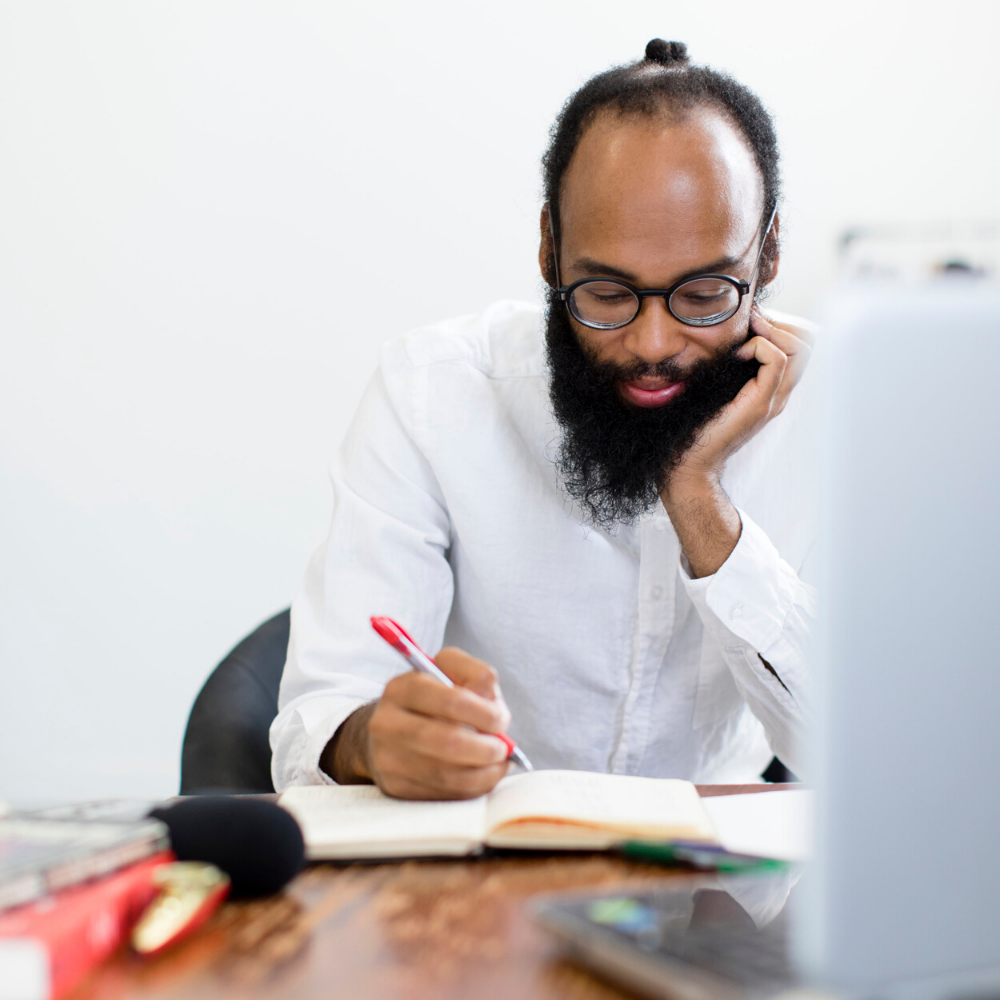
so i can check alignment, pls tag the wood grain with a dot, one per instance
(413, 930)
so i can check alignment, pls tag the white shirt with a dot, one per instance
(449, 517)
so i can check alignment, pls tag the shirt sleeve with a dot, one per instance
(758, 609)
(386, 554)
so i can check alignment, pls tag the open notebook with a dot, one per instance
(545, 810)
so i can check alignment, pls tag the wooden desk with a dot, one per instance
(416, 930)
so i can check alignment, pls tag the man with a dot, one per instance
(600, 510)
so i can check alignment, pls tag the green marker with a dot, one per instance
(707, 857)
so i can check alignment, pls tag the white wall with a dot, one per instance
(212, 213)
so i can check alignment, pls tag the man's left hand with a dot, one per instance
(783, 352)
(706, 523)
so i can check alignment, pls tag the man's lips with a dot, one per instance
(655, 395)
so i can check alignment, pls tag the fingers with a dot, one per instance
(792, 348)
(788, 343)
(793, 341)
(413, 756)
(768, 324)
(468, 672)
(424, 696)
(783, 351)
(434, 738)
(765, 394)
(772, 359)
(437, 786)
(429, 741)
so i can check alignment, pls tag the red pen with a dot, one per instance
(396, 636)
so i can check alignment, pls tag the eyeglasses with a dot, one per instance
(703, 300)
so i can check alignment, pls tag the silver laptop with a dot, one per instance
(903, 898)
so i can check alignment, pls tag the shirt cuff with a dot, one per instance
(751, 593)
(300, 734)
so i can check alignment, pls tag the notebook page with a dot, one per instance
(610, 801)
(770, 824)
(358, 821)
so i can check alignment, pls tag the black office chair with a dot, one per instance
(226, 746)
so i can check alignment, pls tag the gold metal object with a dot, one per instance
(189, 891)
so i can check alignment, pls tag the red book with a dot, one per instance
(48, 946)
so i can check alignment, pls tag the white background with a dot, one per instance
(212, 213)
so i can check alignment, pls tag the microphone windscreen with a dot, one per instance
(255, 842)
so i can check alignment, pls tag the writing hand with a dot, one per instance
(422, 740)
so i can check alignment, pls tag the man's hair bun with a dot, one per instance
(666, 53)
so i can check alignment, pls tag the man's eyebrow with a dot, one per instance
(597, 269)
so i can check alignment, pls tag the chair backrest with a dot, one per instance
(226, 746)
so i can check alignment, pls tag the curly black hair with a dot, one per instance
(664, 81)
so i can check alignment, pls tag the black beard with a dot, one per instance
(615, 458)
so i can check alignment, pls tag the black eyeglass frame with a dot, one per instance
(742, 287)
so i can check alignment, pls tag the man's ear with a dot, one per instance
(771, 256)
(546, 251)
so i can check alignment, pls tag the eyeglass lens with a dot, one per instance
(607, 304)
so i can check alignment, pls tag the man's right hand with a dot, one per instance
(422, 740)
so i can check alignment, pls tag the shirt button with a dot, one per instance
(736, 614)
(656, 593)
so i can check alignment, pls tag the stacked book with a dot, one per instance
(72, 884)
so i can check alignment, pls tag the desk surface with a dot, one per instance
(447, 930)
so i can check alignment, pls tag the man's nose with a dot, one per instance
(654, 335)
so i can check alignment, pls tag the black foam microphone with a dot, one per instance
(256, 843)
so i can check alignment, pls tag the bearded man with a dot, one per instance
(599, 509)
